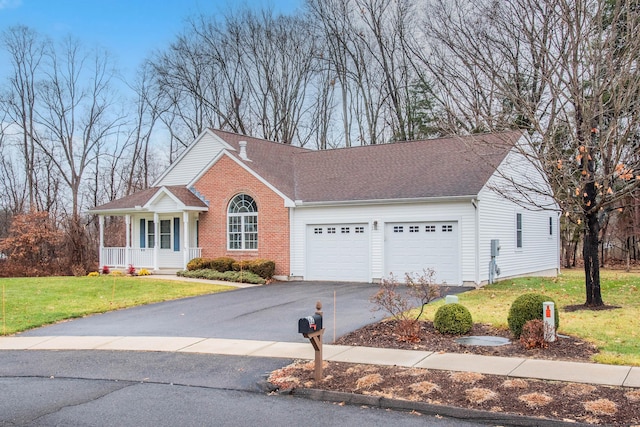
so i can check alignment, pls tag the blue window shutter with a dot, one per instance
(176, 234)
(142, 233)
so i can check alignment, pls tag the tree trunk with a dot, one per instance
(591, 262)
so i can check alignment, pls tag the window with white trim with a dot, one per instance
(242, 223)
(359, 230)
(398, 229)
(414, 229)
(550, 226)
(430, 228)
(518, 231)
(447, 228)
(165, 234)
(317, 230)
(151, 234)
(344, 230)
(331, 230)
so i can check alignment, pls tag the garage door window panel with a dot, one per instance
(242, 223)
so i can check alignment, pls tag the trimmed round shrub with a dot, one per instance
(262, 267)
(453, 319)
(221, 264)
(528, 307)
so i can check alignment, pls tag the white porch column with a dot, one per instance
(127, 240)
(100, 255)
(186, 248)
(156, 243)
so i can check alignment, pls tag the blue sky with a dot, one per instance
(129, 29)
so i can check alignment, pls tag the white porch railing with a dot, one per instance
(140, 258)
(113, 257)
(194, 253)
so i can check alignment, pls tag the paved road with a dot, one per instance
(101, 388)
(263, 313)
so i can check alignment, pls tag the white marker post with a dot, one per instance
(549, 321)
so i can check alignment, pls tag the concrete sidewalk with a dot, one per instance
(591, 373)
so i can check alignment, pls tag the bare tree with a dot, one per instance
(26, 49)
(76, 120)
(565, 70)
(148, 110)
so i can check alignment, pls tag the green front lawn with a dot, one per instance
(615, 332)
(32, 302)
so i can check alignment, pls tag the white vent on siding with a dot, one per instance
(243, 151)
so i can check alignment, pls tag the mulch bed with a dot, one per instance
(550, 399)
(382, 335)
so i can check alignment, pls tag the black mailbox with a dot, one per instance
(310, 324)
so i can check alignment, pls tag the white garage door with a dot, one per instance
(338, 252)
(412, 247)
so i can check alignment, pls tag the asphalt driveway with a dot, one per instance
(269, 312)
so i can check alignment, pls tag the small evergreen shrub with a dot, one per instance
(453, 319)
(261, 267)
(528, 307)
(144, 272)
(229, 276)
(93, 274)
(221, 264)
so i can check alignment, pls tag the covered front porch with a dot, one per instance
(160, 233)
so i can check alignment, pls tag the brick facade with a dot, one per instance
(219, 185)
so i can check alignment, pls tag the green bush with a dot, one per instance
(261, 267)
(528, 307)
(453, 319)
(221, 264)
(229, 276)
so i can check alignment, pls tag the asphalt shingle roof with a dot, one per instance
(442, 167)
(140, 198)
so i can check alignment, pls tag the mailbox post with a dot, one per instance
(311, 327)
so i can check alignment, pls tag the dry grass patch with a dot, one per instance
(535, 400)
(311, 366)
(285, 378)
(575, 389)
(479, 395)
(368, 381)
(465, 377)
(413, 372)
(601, 407)
(515, 383)
(424, 387)
(633, 396)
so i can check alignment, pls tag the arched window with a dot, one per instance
(242, 220)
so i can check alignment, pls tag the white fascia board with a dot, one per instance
(116, 212)
(288, 203)
(188, 149)
(444, 199)
(163, 191)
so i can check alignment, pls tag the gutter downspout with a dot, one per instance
(474, 202)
